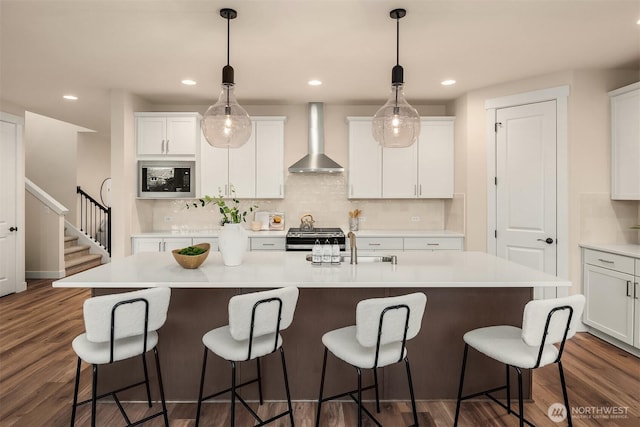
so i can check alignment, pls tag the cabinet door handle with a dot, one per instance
(162, 147)
(167, 146)
(159, 246)
(420, 190)
(164, 246)
(635, 290)
(605, 260)
(628, 292)
(415, 190)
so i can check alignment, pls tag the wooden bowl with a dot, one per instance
(192, 261)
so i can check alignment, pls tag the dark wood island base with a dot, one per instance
(435, 354)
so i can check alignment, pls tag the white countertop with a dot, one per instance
(282, 233)
(268, 269)
(620, 249)
(406, 233)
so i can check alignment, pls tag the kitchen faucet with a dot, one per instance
(354, 248)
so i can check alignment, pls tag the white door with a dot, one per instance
(526, 186)
(365, 161)
(242, 168)
(400, 172)
(8, 202)
(269, 136)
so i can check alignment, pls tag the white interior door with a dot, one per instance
(526, 186)
(8, 202)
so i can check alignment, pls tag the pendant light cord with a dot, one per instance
(227, 107)
(395, 87)
(228, 37)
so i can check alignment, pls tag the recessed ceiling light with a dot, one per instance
(638, 22)
(314, 82)
(448, 82)
(188, 82)
(70, 97)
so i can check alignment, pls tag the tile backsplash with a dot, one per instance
(325, 197)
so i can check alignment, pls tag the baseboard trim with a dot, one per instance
(44, 274)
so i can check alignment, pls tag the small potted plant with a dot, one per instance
(233, 239)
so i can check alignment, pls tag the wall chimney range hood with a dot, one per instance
(316, 161)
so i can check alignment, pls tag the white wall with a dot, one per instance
(51, 152)
(94, 162)
(589, 157)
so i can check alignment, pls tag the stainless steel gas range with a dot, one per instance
(303, 240)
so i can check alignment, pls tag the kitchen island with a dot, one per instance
(465, 290)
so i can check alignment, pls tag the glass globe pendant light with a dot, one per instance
(396, 124)
(226, 124)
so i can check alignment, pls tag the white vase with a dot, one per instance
(233, 242)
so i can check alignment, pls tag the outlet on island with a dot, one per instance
(415, 219)
(168, 218)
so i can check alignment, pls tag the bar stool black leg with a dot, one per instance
(413, 397)
(464, 365)
(520, 403)
(564, 394)
(359, 397)
(324, 368)
(94, 393)
(286, 385)
(233, 394)
(146, 378)
(508, 390)
(161, 385)
(259, 380)
(204, 368)
(375, 380)
(75, 394)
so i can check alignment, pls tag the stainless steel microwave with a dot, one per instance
(164, 179)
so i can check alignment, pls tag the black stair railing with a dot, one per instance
(95, 220)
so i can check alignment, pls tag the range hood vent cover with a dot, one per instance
(316, 161)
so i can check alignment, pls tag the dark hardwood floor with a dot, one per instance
(37, 369)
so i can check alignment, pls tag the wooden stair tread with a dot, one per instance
(74, 249)
(69, 238)
(81, 260)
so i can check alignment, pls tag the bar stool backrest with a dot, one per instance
(392, 313)
(127, 312)
(537, 312)
(259, 311)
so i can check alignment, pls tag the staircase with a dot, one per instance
(77, 257)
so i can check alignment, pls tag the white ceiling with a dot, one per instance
(87, 47)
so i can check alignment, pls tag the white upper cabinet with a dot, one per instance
(423, 170)
(256, 170)
(625, 143)
(435, 158)
(167, 134)
(365, 160)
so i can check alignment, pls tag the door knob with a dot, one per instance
(13, 228)
(548, 240)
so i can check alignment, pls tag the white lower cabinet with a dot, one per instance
(213, 241)
(158, 244)
(267, 243)
(380, 243)
(611, 287)
(433, 243)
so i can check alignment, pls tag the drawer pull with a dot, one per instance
(268, 244)
(606, 260)
(433, 244)
(374, 244)
(628, 292)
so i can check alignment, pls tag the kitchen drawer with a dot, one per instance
(433, 243)
(608, 260)
(380, 243)
(267, 243)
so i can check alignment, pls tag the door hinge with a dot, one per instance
(496, 126)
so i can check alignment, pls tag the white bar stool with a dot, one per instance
(544, 323)
(255, 322)
(118, 327)
(383, 326)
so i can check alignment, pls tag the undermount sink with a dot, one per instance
(365, 258)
